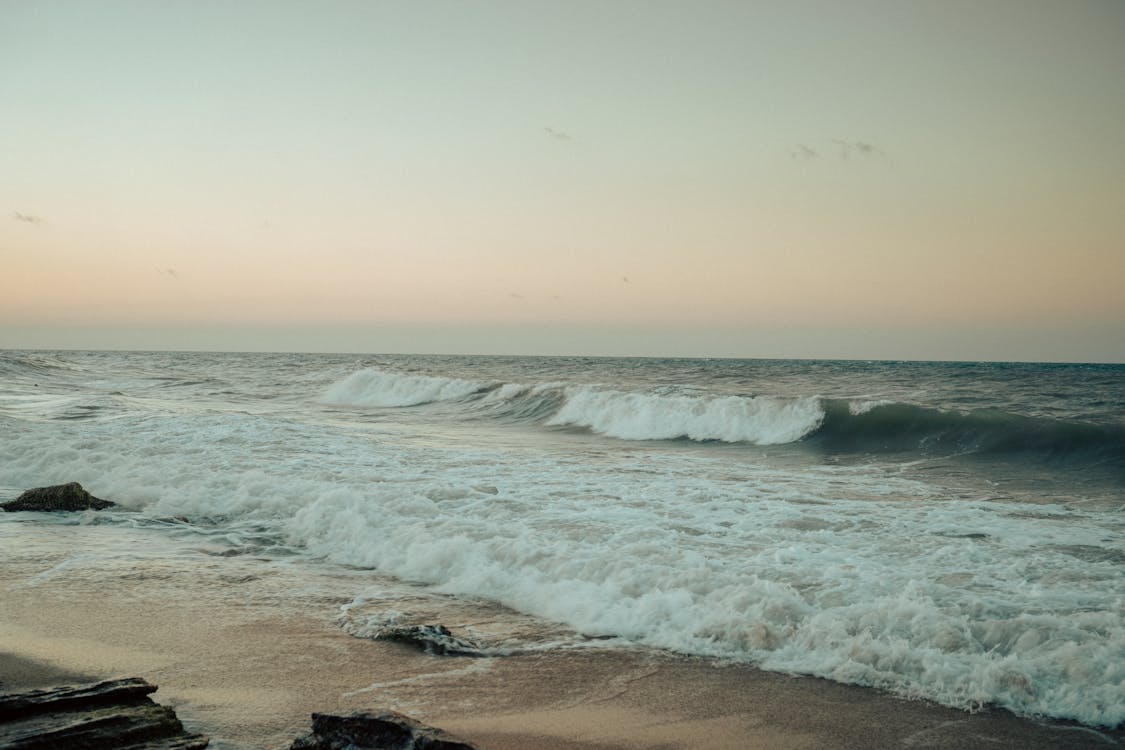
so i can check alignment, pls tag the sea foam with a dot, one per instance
(843, 572)
(762, 420)
(371, 387)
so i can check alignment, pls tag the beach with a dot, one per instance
(255, 649)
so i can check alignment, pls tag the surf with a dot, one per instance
(845, 426)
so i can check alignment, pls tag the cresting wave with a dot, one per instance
(761, 420)
(837, 425)
(371, 387)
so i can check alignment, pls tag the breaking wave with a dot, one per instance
(370, 387)
(834, 425)
(761, 420)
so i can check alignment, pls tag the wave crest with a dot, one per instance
(371, 387)
(846, 426)
(762, 420)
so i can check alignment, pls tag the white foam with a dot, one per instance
(862, 406)
(371, 387)
(839, 602)
(763, 420)
(506, 392)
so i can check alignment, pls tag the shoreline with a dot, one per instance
(245, 649)
(556, 701)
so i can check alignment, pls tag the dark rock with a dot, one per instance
(375, 730)
(114, 715)
(58, 497)
(433, 639)
(68, 697)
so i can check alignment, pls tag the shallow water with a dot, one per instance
(948, 531)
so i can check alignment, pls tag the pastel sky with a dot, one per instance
(917, 180)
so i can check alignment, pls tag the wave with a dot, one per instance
(371, 387)
(896, 427)
(761, 420)
(33, 366)
(833, 425)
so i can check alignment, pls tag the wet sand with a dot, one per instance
(245, 652)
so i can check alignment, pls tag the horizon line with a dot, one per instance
(731, 357)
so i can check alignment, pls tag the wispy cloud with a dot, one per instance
(859, 149)
(845, 150)
(27, 218)
(868, 149)
(169, 271)
(558, 135)
(801, 151)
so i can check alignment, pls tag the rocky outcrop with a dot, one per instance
(433, 639)
(59, 497)
(113, 715)
(377, 730)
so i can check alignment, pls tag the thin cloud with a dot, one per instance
(845, 150)
(859, 149)
(868, 149)
(169, 271)
(27, 218)
(558, 135)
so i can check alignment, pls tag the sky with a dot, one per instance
(892, 180)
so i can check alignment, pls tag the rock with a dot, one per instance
(114, 715)
(377, 730)
(433, 639)
(67, 697)
(57, 498)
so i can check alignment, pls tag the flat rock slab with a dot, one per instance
(112, 715)
(375, 730)
(60, 497)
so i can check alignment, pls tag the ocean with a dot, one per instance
(946, 531)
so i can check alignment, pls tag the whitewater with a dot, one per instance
(946, 531)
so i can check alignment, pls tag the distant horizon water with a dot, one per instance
(561, 355)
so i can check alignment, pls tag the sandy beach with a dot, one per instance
(244, 652)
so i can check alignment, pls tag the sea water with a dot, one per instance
(948, 531)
